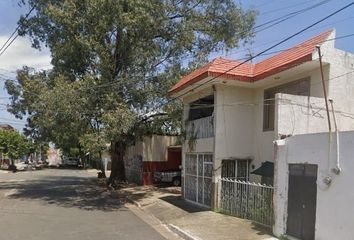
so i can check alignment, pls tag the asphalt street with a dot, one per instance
(57, 204)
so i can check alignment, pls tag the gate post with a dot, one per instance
(215, 196)
(280, 193)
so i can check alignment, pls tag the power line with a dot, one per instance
(234, 52)
(117, 83)
(283, 8)
(269, 48)
(8, 43)
(287, 16)
(266, 50)
(248, 103)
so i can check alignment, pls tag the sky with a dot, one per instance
(20, 52)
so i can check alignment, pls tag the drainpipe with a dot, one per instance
(337, 169)
(328, 179)
(324, 89)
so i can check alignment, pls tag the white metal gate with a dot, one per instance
(253, 201)
(198, 173)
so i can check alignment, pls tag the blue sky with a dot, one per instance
(21, 53)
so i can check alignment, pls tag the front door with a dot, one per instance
(198, 178)
(302, 201)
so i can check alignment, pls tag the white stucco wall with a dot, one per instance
(335, 203)
(300, 115)
(234, 126)
(341, 87)
(239, 120)
(238, 113)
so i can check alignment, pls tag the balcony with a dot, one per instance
(200, 128)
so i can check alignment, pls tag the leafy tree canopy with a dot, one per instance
(15, 145)
(113, 63)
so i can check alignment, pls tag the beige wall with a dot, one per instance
(152, 148)
(155, 147)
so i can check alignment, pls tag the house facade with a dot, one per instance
(150, 154)
(234, 111)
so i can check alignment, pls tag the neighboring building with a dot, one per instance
(153, 153)
(54, 157)
(6, 126)
(234, 112)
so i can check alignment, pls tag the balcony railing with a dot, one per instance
(200, 128)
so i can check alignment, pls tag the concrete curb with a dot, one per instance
(183, 234)
(134, 202)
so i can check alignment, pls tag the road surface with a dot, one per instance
(61, 204)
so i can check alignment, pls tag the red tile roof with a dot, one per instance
(249, 72)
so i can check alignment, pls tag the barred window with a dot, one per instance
(236, 169)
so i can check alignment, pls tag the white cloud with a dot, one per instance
(21, 53)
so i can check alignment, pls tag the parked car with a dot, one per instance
(173, 177)
(22, 166)
(71, 162)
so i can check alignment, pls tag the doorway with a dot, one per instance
(198, 178)
(302, 201)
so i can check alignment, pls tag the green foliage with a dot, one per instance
(113, 63)
(283, 237)
(15, 145)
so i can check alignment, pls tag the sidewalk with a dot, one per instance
(190, 221)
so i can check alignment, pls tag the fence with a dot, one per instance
(247, 200)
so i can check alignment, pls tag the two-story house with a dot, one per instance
(234, 112)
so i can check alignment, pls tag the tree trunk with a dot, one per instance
(117, 156)
(102, 168)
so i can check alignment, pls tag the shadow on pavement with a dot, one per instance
(179, 202)
(65, 191)
(261, 229)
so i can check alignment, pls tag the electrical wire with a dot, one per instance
(271, 47)
(287, 16)
(311, 84)
(4, 47)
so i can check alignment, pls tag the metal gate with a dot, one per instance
(198, 173)
(253, 201)
(302, 201)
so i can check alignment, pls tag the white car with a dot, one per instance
(21, 166)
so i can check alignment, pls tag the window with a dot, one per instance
(300, 87)
(201, 108)
(236, 169)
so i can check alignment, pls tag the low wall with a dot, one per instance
(335, 203)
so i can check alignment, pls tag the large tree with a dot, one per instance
(115, 60)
